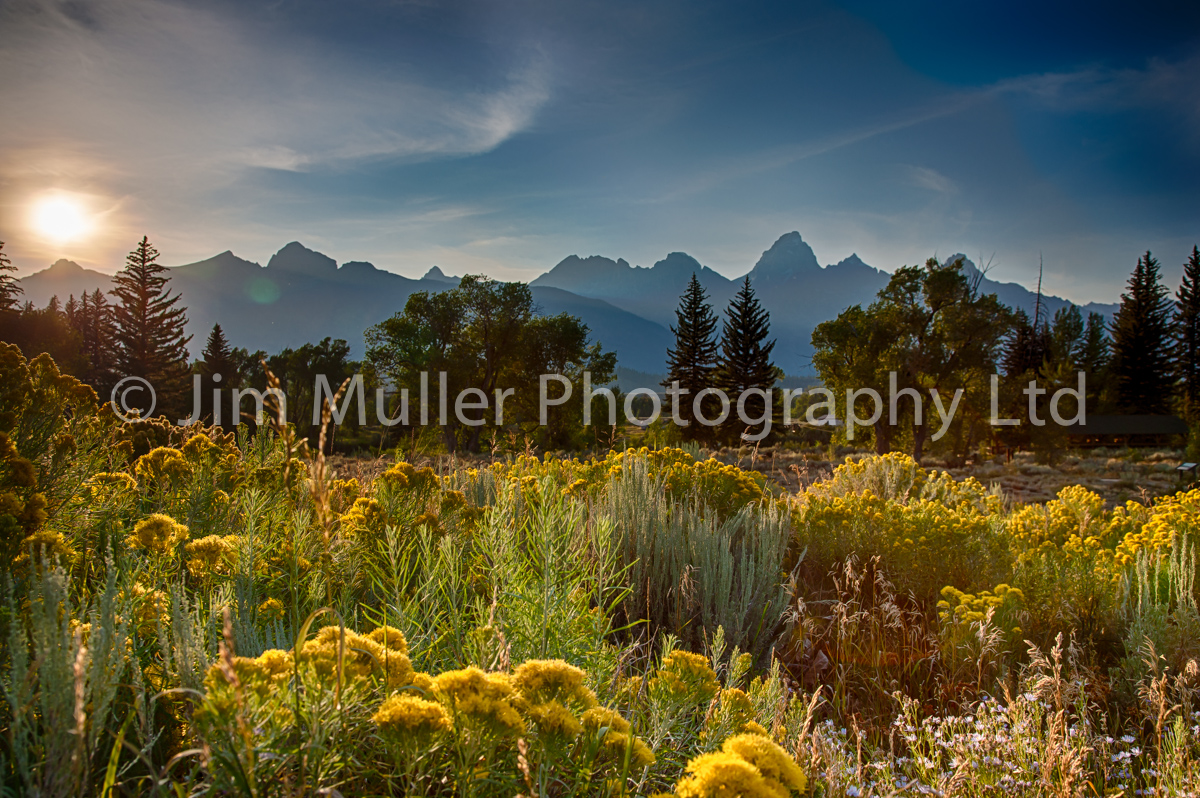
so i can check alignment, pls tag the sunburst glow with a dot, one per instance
(61, 218)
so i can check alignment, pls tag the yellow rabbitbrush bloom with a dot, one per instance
(211, 555)
(618, 737)
(928, 530)
(479, 702)
(772, 761)
(365, 519)
(1171, 517)
(157, 534)
(411, 721)
(723, 488)
(960, 607)
(552, 692)
(685, 677)
(747, 766)
(361, 657)
(725, 775)
(271, 609)
(162, 465)
(539, 680)
(108, 484)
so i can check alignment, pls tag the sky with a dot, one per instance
(501, 136)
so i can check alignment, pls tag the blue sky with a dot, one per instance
(500, 137)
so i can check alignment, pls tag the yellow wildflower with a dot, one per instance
(481, 700)
(157, 533)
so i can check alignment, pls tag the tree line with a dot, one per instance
(930, 330)
(484, 336)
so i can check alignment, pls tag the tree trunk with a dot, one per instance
(918, 442)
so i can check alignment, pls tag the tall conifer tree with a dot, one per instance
(149, 325)
(1141, 365)
(10, 289)
(693, 361)
(93, 320)
(218, 371)
(745, 356)
(1187, 331)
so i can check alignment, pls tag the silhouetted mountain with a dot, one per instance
(302, 296)
(1016, 295)
(436, 274)
(63, 279)
(790, 283)
(652, 293)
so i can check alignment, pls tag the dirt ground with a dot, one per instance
(1116, 474)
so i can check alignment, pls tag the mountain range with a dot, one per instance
(302, 296)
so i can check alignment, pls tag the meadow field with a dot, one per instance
(189, 612)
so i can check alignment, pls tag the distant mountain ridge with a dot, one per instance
(302, 296)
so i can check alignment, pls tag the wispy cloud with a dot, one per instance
(166, 101)
(778, 157)
(931, 179)
(1160, 83)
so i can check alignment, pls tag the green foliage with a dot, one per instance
(1187, 336)
(149, 330)
(692, 362)
(486, 336)
(932, 328)
(745, 363)
(1141, 343)
(10, 289)
(213, 614)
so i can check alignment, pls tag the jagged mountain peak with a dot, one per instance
(788, 257)
(299, 259)
(63, 266)
(679, 262)
(435, 274)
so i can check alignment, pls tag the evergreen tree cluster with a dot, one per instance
(1144, 361)
(136, 333)
(739, 362)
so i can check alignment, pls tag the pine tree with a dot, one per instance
(97, 329)
(1141, 343)
(10, 289)
(745, 356)
(150, 329)
(1027, 348)
(693, 361)
(1187, 342)
(218, 371)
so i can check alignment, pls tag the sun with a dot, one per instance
(61, 218)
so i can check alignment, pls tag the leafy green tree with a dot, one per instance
(932, 328)
(559, 345)
(855, 351)
(745, 361)
(1141, 366)
(298, 371)
(692, 362)
(149, 326)
(1187, 331)
(10, 288)
(484, 335)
